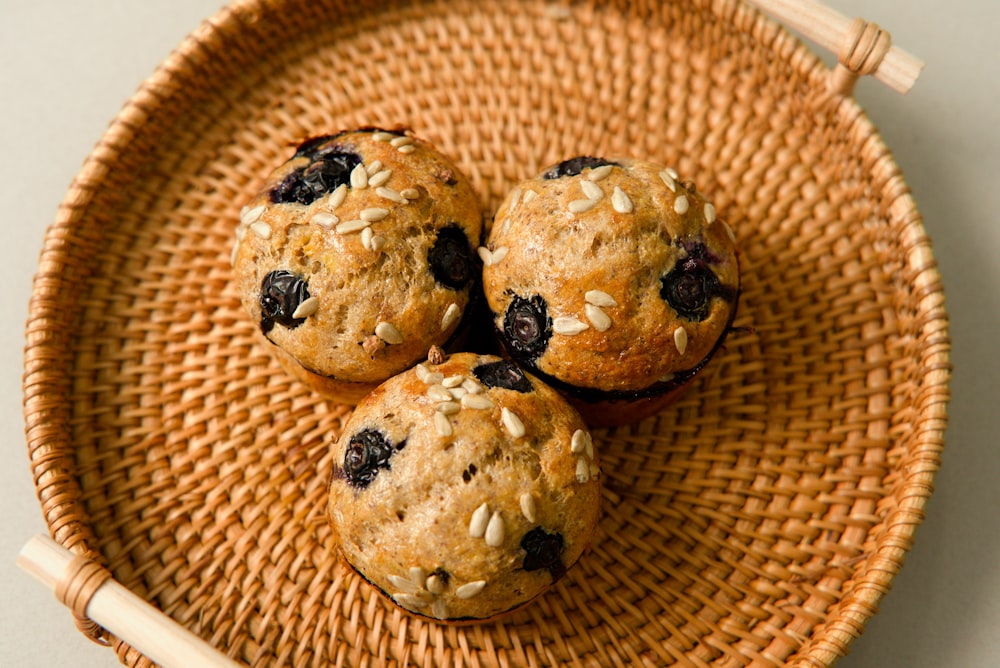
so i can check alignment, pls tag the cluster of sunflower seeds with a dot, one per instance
(418, 590)
(582, 445)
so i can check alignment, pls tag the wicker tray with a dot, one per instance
(758, 521)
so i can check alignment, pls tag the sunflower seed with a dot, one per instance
(351, 226)
(470, 589)
(435, 584)
(359, 177)
(439, 393)
(515, 199)
(379, 178)
(442, 424)
(325, 219)
(373, 167)
(337, 197)
(499, 254)
(251, 216)
(261, 229)
(409, 601)
(591, 190)
(579, 440)
(598, 173)
(439, 609)
(453, 381)
(403, 584)
(400, 141)
(388, 333)
(449, 407)
(512, 422)
(306, 308)
(417, 575)
(681, 204)
(582, 470)
(681, 339)
(477, 401)
(366, 237)
(598, 318)
(410, 193)
(480, 520)
(709, 213)
(471, 386)
(495, 531)
(582, 205)
(389, 194)
(528, 507)
(568, 326)
(486, 255)
(373, 214)
(382, 136)
(620, 201)
(599, 298)
(408, 148)
(451, 316)
(669, 181)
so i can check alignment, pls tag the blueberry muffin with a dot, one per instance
(357, 256)
(613, 281)
(464, 489)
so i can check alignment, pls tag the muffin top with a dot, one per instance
(357, 256)
(610, 277)
(464, 489)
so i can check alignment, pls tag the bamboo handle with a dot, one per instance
(861, 48)
(117, 609)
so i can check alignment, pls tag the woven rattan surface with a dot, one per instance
(757, 521)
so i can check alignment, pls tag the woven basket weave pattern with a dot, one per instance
(757, 521)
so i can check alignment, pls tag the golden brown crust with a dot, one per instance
(620, 230)
(461, 502)
(364, 258)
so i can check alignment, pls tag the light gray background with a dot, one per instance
(67, 67)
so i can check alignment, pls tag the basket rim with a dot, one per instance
(47, 329)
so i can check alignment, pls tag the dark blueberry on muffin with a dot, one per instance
(367, 453)
(281, 295)
(450, 258)
(502, 374)
(321, 176)
(575, 166)
(543, 550)
(527, 326)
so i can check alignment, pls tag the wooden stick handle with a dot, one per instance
(117, 609)
(841, 35)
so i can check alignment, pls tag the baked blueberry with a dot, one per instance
(527, 327)
(575, 166)
(326, 171)
(450, 258)
(543, 550)
(502, 374)
(367, 452)
(281, 294)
